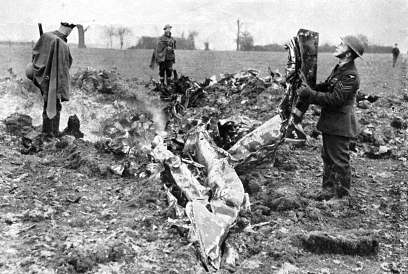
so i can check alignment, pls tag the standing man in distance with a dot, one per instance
(49, 71)
(337, 121)
(395, 53)
(164, 55)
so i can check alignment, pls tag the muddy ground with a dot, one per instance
(64, 210)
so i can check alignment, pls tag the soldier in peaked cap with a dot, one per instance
(49, 71)
(164, 55)
(337, 122)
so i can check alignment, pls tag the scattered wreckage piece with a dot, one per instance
(178, 172)
(380, 152)
(266, 137)
(102, 81)
(73, 127)
(19, 124)
(301, 69)
(209, 230)
(126, 133)
(32, 142)
(221, 176)
(185, 180)
(364, 97)
(232, 129)
(182, 93)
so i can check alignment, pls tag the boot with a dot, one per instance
(323, 194)
(175, 75)
(47, 126)
(55, 125)
(343, 185)
(342, 192)
(328, 190)
(327, 181)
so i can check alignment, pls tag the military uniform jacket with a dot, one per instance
(165, 49)
(336, 96)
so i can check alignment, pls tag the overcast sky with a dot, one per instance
(383, 21)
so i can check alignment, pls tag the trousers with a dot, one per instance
(394, 60)
(165, 69)
(336, 164)
(50, 127)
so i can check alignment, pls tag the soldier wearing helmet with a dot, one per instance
(164, 55)
(337, 121)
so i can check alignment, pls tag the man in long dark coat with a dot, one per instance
(50, 66)
(164, 55)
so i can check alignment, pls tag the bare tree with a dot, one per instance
(191, 37)
(109, 32)
(246, 41)
(81, 36)
(238, 40)
(121, 32)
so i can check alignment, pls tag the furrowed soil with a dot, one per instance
(63, 211)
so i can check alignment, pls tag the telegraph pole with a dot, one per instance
(238, 34)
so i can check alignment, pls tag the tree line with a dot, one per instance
(119, 31)
(148, 42)
(246, 43)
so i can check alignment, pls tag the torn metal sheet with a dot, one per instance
(268, 133)
(181, 175)
(240, 120)
(160, 152)
(172, 201)
(225, 183)
(231, 255)
(205, 152)
(227, 213)
(185, 180)
(221, 176)
(209, 231)
(231, 129)
(210, 228)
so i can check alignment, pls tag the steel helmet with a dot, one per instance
(29, 71)
(354, 44)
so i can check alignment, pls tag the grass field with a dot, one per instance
(197, 64)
